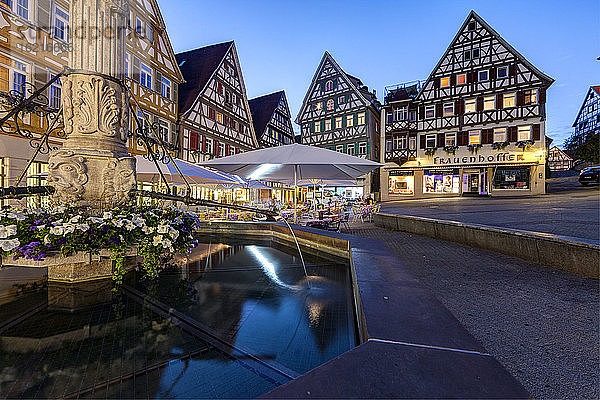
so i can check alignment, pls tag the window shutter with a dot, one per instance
(368, 147)
(175, 92)
(323, 86)
(436, 83)
(335, 81)
(536, 132)
(355, 119)
(220, 88)
(322, 125)
(312, 127)
(458, 107)
(463, 138)
(542, 96)
(324, 105)
(158, 81)
(469, 77)
(333, 123)
(347, 97)
(367, 118)
(499, 101)
(355, 148)
(335, 104)
(453, 80)
(203, 144)
(136, 69)
(43, 15)
(520, 98)
(227, 149)
(343, 121)
(512, 70)
(512, 133)
(487, 136)
(216, 149)
(40, 77)
(439, 110)
(421, 112)
(345, 148)
(422, 141)
(492, 73)
(441, 140)
(174, 133)
(479, 103)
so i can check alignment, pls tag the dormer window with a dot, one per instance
(329, 85)
(445, 82)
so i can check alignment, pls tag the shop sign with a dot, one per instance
(401, 173)
(480, 159)
(441, 172)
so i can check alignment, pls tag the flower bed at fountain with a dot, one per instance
(157, 233)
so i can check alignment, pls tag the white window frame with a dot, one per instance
(163, 129)
(327, 124)
(166, 89)
(127, 63)
(412, 143)
(508, 96)
(475, 134)
(523, 133)
(342, 99)
(149, 33)
(362, 148)
(428, 138)
(55, 93)
(209, 146)
(221, 149)
(361, 118)
(533, 96)
(487, 100)
(428, 110)
(330, 105)
(503, 69)
(470, 102)
(328, 85)
(146, 75)
(21, 69)
(487, 75)
(499, 135)
(317, 126)
(61, 19)
(450, 136)
(446, 107)
(139, 26)
(400, 113)
(351, 149)
(349, 120)
(339, 148)
(338, 122)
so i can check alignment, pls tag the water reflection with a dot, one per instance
(86, 341)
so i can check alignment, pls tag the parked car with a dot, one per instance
(589, 175)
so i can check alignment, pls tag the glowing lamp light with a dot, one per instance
(263, 170)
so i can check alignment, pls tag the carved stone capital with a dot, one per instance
(67, 172)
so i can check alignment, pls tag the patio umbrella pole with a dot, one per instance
(295, 195)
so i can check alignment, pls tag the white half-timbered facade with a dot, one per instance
(340, 113)
(476, 126)
(272, 119)
(558, 160)
(588, 117)
(215, 118)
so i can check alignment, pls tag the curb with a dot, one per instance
(561, 252)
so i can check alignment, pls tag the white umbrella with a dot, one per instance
(294, 161)
(146, 169)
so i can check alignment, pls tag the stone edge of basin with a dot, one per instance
(411, 345)
(576, 255)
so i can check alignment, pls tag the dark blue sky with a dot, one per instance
(280, 43)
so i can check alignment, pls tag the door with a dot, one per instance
(483, 182)
(474, 183)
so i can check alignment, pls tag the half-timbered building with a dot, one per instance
(340, 113)
(587, 122)
(215, 118)
(272, 120)
(34, 47)
(476, 126)
(559, 160)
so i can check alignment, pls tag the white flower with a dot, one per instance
(95, 220)
(16, 215)
(57, 230)
(138, 221)
(130, 226)
(9, 245)
(158, 240)
(174, 233)
(7, 231)
(163, 229)
(47, 241)
(119, 223)
(69, 228)
(83, 227)
(107, 215)
(148, 230)
(75, 219)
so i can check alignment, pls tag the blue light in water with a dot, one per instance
(269, 268)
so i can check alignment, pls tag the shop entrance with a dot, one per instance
(475, 182)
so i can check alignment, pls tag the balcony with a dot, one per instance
(403, 91)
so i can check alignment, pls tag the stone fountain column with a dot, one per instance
(93, 167)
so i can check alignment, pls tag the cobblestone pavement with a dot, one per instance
(540, 323)
(574, 212)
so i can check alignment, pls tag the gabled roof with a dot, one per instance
(197, 67)
(474, 15)
(355, 83)
(587, 95)
(262, 109)
(166, 37)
